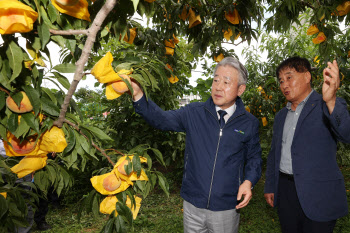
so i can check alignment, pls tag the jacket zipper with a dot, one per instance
(216, 155)
(239, 175)
(186, 166)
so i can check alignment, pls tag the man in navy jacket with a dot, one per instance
(222, 157)
(302, 178)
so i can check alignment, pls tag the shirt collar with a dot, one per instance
(289, 104)
(229, 110)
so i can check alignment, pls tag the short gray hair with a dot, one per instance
(234, 63)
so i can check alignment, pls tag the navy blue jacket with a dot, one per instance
(318, 180)
(215, 165)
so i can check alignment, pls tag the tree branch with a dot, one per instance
(92, 143)
(92, 32)
(69, 32)
(4, 90)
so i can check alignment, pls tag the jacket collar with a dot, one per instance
(210, 106)
(311, 103)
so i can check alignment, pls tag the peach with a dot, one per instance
(120, 86)
(121, 167)
(67, 2)
(24, 106)
(24, 147)
(111, 183)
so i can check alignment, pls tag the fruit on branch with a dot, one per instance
(121, 167)
(111, 182)
(184, 13)
(106, 184)
(132, 36)
(104, 73)
(233, 17)
(173, 79)
(194, 19)
(24, 106)
(342, 9)
(53, 140)
(219, 57)
(16, 17)
(264, 121)
(29, 164)
(229, 33)
(313, 29)
(23, 147)
(319, 38)
(4, 194)
(120, 86)
(79, 10)
(109, 204)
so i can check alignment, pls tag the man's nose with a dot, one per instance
(219, 86)
(284, 85)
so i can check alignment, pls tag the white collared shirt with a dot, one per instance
(229, 111)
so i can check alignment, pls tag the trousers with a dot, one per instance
(291, 214)
(197, 220)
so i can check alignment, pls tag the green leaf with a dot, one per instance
(124, 66)
(44, 34)
(34, 97)
(30, 50)
(60, 186)
(19, 221)
(84, 144)
(59, 40)
(12, 122)
(15, 56)
(17, 98)
(3, 130)
(52, 11)
(52, 173)
(108, 228)
(136, 163)
(163, 183)
(49, 107)
(71, 141)
(124, 211)
(62, 80)
(141, 185)
(50, 94)
(71, 44)
(120, 224)
(135, 3)
(36, 44)
(97, 133)
(95, 206)
(3, 206)
(159, 156)
(65, 68)
(31, 121)
(22, 129)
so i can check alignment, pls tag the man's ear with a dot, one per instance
(308, 77)
(241, 89)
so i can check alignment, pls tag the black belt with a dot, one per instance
(287, 176)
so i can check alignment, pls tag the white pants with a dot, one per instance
(198, 220)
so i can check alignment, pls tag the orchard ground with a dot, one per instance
(159, 214)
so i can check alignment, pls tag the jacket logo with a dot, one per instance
(239, 131)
